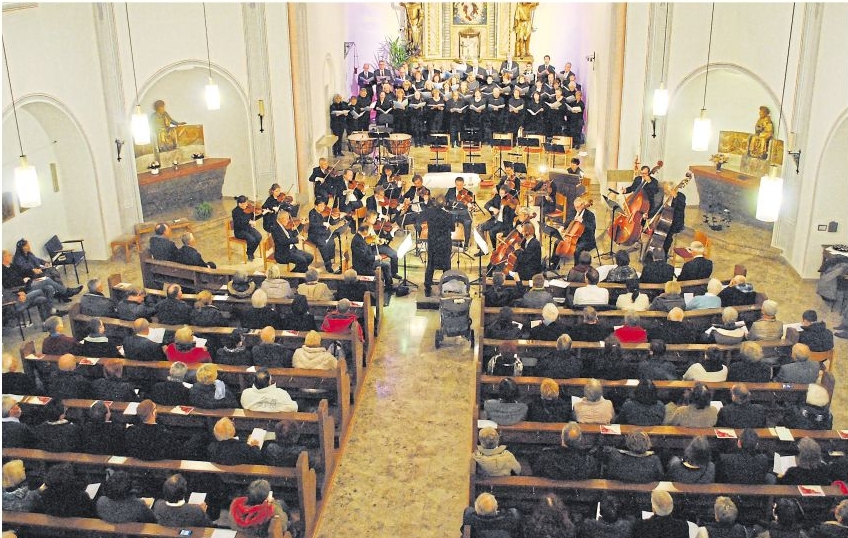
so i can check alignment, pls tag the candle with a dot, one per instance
(261, 107)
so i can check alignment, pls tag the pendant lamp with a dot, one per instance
(213, 95)
(26, 178)
(702, 129)
(661, 93)
(140, 122)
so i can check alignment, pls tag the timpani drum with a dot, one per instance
(399, 143)
(361, 143)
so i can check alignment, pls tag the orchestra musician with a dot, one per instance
(418, 197)
(366, 258)
(379, 204)
(587, 238)
(244, 226)
(509, 178)
(273, 205)
(285, 244)
(649, 186)
(352, 196)
(382, 239)
(677, 201)
(458, 209)
(440, 224)
(323, 231)
(502, 217)
(320, 175)
(529, 261)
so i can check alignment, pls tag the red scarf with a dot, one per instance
(250, 516)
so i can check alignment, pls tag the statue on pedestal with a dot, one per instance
(522, 25)
(758, 144)
(163, 125)
(414, 26)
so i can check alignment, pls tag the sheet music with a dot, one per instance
(516, 109)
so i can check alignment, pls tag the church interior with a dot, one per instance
(716, 131)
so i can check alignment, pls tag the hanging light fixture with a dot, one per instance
(140, 122)
(702, 129)
(26, 178)
(770, 194)
(661, 93)
(213, 95)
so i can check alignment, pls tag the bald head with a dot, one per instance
(141, 326)
(67, 362)
(267, 335)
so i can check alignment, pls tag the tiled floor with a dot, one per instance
(406, 465)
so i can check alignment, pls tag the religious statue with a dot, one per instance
(469, 44)
(758, 144)
(414, 20)
(163, 126)
(522, 25)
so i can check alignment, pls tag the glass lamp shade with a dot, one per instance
(661, 100)
(213, 95)
(26, 183)
(770, 196)
(140, 127)
(701, 132)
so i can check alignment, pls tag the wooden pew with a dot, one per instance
(156, 273)
(695, 500)
(44, 525)
(291, 339)
(318, 424)
(301, 476)
(336, 380)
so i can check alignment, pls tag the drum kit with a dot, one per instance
(366, 143)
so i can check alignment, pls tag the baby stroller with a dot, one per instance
(454, 307)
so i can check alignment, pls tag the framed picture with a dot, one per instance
(469, 13)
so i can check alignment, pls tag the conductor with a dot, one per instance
(440, 224)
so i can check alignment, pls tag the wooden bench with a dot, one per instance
(156, 273)
(333, 381)
(44, 525)
(118, 329)
(300, 477)
(617, 288)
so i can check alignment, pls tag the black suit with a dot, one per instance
(98, 305)
(162, 248)
(496, 225)
(17, 435)
(439, 226)
(696, 269)
(364, 262)
(140, 348)
(366, 80)
(322, 238)
(173, 312)
(151, 442)
(547, 332)
(286, 251)
(459, 212)
(190, 256)
(529, 259)
(657, 273)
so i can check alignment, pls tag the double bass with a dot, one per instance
(571, 235)
(627, 227)
(659, 226)
(506, 251)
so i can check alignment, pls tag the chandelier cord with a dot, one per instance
(14, 108)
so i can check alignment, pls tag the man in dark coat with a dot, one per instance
(148, 440)
(530, 256)
(366, 258)
(657, 270)
(698, 267)
(161, 246)
(662, 523)
(568, 461)
(56, 434)
(66, 382)
(172, 391)
(440, 225)
(15, 433)
(173, 310)
(815, 334)
(747, 465)
(741, 413)
(139, 347)
(188, 253)
(95, 303)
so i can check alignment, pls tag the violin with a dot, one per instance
(285, 198)
(384, 226)
(251, 209)
(627, 227)
(391, 203)
(332, 213)
(510, 200)
(294, 223)
(571, 235)
(465, 196)
(353, 184)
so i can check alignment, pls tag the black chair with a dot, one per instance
(59, 255)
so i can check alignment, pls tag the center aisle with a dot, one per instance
(405, 469)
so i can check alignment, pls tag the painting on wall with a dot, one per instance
(469, 13)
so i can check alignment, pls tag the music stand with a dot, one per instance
(381, 134)
(438, 142)
(500, 143)
(613, 205)
(405, 247)
(481, 243)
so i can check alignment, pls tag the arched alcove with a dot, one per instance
(54, 142)
(226, 131)
(734, 96)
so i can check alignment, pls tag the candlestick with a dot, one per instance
(261, 107)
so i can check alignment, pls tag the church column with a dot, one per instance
(117, 110)
(300, 90)
(259, 87)
(616, 85)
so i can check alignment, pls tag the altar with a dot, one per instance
(181, 187)
(731, 190)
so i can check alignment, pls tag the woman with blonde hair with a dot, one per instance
(185, 349)
(204, 313)
(312, 355)
(210, 392)
(228, 449)
(17, 497)
(274, 285)
(670, 298)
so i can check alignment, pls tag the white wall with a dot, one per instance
(327, 67)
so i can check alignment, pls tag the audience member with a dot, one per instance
(635, 463)
(57, 343)
(738, 293)
(582, 265)
(161, 245)
(612, 522)
(172, 510)
(96, 344)
(672, 297)
(173, 310)
(801, 369)
(506, 361)
(622, 272)
(227, 449)
(644, 408)
(16, 434)
(741, 412)
(838, 528)
(269, 353)
(550, 518)
(274, 285)
(352, 289)
(486, 521)
(570, 460)
(549, 407)
(631, 332)
(697, 413)
(813, 414)
(708, 300)
(66, 383)
(503, 327)
(747, 465)
(653, 366)
(95, 303)
(550, 328)
(312, 355)
(537, 296)
(493, 459)
(633, 299)
(241, 286)
(299, 317)
(234, 352)
(725, 525)
(15, 381)
(184, 348)
(260, 314)
(506, 410)
(134, 306)
(111, 386)
(188, 253)
(657, 270)
(730, 331)
(591, 294)
(265, 396)
(787, 520)
(148, 440)
(285, 449)
(139, 346)
(340, 320)
(593, 408)
(749, 368)
(172, 391)
(560, 363)
(710, 369)
(252, 513)
(498, 294)
(313, 289)
(117, 504)
(661, 523)
(815, 334)
(17, 495)
(810, 468)
(590, 330)
(209, 392)
(204, 313)
(695, 467)
(673, 330)
(768, 327)
(698, 267)
(63, 494)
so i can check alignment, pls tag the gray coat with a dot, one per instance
(798, 372)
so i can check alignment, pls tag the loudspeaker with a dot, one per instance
(431, 168)
(474, 168)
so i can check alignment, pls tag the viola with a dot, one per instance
(465, 196)
(571, 235)
(356, 185)
(284, 198)
(627, 227)
(391, 203)
(384, 226)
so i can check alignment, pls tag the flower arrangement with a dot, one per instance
(198, 156)
(154, 167)
(719, 158)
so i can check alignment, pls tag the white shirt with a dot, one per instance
(591, 295)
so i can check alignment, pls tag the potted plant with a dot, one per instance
(719, 159)
(203, 211)
(198, 158)
(154, 167)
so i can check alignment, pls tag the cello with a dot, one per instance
(571, 235)
(659, 226)
(627, 227)
(505, 252)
